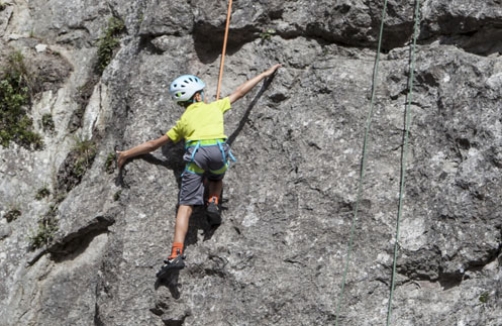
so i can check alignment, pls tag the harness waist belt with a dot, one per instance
(204, 142)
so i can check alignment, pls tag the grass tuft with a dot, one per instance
(12, 215)
(109, 164)
(47, 228)
(42, 193)
(85, 150)
(108, 42)
(15, 97)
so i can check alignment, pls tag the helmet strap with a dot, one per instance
(201, 93)
(192, 100)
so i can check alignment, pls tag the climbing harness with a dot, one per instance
(225, 38)
(192, 167)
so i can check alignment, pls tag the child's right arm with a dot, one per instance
(145, 148)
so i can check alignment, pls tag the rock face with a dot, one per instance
(289, 230)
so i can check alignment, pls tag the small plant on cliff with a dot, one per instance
(12, 214)
(117, 195)
(109, 164)
(48, 122)
(59, 197)
(42, 193)
(483, 298)
(85, 150)
(267, 34)
(108, 42)
(15, 125)
(47, 228)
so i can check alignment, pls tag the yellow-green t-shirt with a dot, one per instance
(201, 121)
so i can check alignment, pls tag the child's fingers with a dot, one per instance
(119, 158)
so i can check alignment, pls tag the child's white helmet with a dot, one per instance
(184, 87)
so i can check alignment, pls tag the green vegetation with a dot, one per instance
(13, 208)
(59, 197)
(267, 34)
(117, 195)
(85, 151)
(76, 164)
(483, 298)
(48, 122)
(42, 193)
(109, 164)
(108, 42)
(47, 228)
(15, 96)
(12, 214)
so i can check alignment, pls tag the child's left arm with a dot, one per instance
(248, 85)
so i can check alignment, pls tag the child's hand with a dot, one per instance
(271, 70)
(121, 159)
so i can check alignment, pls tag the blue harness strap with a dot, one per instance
(196, 148)
(222, 150)
(191, 167)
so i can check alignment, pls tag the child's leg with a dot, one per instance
(182, 218)
(213, 160)
(181, 229)
(215, 189)
(191, 193)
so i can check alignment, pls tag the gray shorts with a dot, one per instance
(208, 161)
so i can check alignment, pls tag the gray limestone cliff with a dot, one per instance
(80, 243)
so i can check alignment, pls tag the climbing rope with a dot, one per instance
(363, 162)
(404, 156)
(222, 62)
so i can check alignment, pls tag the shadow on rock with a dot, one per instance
(198, 221)
(171, 159)
(245, 117)
(169, 279)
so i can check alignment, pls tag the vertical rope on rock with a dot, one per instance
(404, 156)
(222, 62)
(363, 162)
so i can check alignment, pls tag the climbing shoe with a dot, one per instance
(174, 263)
(213, 213)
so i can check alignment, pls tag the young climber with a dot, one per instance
(201, 126)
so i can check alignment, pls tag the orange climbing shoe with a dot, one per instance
(175, 262)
